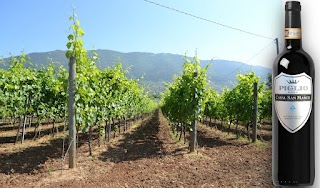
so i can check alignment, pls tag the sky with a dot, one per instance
(140, 26)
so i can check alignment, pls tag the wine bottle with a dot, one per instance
(293, 157)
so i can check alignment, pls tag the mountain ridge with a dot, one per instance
(156, 68)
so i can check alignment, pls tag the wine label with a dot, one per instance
(292, 33)
(293, 100)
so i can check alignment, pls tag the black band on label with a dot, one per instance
(292, 97)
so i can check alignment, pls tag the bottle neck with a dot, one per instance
(293, 44)
(293, 30)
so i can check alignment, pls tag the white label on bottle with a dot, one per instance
(293, 100)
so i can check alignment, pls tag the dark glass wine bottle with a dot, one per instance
(293, 157)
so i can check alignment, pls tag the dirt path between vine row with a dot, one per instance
(146, 156)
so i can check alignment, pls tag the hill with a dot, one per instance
(156, 68)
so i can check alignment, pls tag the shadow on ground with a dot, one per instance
(240, 131)
(30, 160)
(205, 140)
(4, 128)
(30, 134)
(142, 143)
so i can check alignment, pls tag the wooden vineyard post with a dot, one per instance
(71, 111)
(255, 112)
(24, 120)
(193, 136)
(193, 141)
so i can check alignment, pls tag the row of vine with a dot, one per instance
(101, 95)
(190, 98)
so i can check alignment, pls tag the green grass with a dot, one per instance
(174, 137)
(244, 139)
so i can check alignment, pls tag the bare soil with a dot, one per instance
(145, 156)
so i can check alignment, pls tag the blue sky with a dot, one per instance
(136, 25)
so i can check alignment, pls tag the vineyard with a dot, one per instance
(188, 99)
(102, 96)
(146, 155)
(123, 137)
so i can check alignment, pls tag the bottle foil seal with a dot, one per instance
(293, 33)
